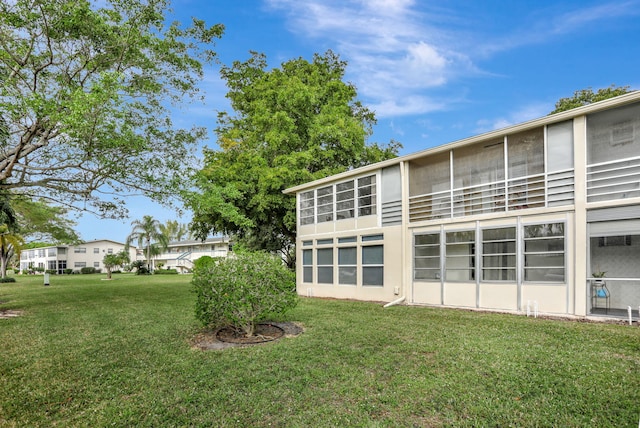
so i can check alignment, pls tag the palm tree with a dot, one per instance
(10, 244)
(147, 233)
(174, 231)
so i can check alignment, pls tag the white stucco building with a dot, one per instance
(516, 218)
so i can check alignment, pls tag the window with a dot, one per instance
(307, 202)
(347, 239)
(345, 202)
(499, 254)
(79, 264)
(62, 265)
(460, 256)
(324, 258)
(544, 252)
(51, 252)
(41, 252)
(79, 250)
(369, 238)
(109, 250)
(307, 265)
(367, 195)
(96, 251)
(52, 265)
(96, 264)
(373, 265)
(347, 265)
(307, 243)
(325, 204)
(426, 257)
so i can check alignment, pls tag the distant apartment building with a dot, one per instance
(75, 257)
(180, 255)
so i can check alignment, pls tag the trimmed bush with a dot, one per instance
(88, 269)
(165, 272)
(68, 271)
(7, 279)
(242, 290)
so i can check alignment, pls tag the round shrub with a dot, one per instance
(242, 290)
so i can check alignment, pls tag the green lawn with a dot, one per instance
(89, 352)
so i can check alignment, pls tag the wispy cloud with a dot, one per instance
(403, 56)
(523, 114)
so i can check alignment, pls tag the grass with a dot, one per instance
(96, 353)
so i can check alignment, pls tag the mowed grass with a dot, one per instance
(94, 353)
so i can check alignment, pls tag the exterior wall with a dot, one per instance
(536, 182)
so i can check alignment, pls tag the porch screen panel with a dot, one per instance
(499, 254)
(478, 178)
(613, 134)
(429, 187)
(526, 185)
(460, 256)
(426, 257)
(560, 146)
(544, 252)
(613, 154)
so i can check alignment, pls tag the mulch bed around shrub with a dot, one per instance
(227, 337)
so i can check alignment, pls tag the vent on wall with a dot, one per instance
(614, 241)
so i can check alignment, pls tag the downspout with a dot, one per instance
(395, 302)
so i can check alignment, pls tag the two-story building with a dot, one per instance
(61, 257)
(519, 218)
(180, 255)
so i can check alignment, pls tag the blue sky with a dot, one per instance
(433, 71)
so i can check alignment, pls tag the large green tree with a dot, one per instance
(289, 125)
(85, 94)
(584, 97)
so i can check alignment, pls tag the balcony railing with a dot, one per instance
(613, 180)
(534, 191)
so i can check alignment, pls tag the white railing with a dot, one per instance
(534, 191)
(618, 179)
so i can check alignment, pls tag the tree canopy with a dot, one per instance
(583, 97)
(85, 95)
(290, 125)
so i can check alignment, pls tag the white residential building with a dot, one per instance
(74, 257)
(521, 218)
(180, 255)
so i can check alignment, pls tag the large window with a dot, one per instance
(544, 252)
(307, 201)
(307, 265)
(499, 254)
(343, 200)
(325, 204)
(373, 265)
(367, 195)
(325, 265)
(79, 250)
(460, 256)
(347, 265)
(426, 259)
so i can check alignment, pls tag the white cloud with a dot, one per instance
(523, 114)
